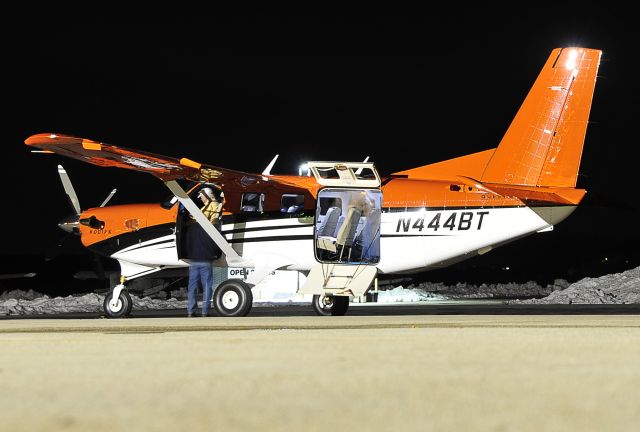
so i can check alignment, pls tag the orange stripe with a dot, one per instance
(91, 145)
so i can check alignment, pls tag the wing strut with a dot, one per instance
(233, 259)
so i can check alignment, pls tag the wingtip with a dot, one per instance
(41, 138)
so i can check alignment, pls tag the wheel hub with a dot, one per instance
(230, 299)
(326, 301)
(115, 305)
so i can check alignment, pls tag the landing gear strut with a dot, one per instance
(118, 303)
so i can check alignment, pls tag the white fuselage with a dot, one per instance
(411, 241)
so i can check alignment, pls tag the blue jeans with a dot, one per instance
(200, 273)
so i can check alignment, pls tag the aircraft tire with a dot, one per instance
(340, 305)
(233, 298)
(322, 304)
(128, 312)
(124, 305)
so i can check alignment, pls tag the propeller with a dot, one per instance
(70, 223)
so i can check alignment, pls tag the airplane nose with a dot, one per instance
(70, 224)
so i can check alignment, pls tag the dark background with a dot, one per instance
(234, 91)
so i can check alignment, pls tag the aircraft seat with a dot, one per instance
(328, 225)
(327, 228)
(347, 232)
(368, 238)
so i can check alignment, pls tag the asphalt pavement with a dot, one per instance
(283, 368)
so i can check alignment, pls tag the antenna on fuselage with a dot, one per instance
(359, 170)
(106, 200)
(267, 170)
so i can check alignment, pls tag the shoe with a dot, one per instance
(204, 315)
(190, 315)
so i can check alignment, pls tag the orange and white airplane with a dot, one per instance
(346, 224)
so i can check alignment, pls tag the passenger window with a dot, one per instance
(252, 202)
(292, 203)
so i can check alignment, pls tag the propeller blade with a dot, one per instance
(68, 188)
(106, 200)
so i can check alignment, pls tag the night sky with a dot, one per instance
(235, 91)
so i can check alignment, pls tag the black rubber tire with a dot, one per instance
(128, 311)
(340, 305)
(124, 308)
(233, 298)
(322, 304)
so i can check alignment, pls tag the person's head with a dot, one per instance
(361, 203)
(206, 195)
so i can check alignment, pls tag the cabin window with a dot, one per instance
(252, 202)
(292, 203)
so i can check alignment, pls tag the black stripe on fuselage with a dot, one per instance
(111, 245)
(271, 238)
(244, 217)
(263, 228)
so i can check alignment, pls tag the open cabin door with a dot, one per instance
(347, 228)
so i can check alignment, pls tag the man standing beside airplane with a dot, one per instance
(202, 251)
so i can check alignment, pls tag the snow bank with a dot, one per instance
(402, 295)
(22, 304)
(619, 288)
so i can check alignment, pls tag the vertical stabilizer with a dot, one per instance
(543, 144)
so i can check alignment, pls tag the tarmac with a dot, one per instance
(310, 373)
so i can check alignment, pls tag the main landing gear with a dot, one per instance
(326, 305)
(233, 298)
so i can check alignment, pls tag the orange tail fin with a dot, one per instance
(543, 144)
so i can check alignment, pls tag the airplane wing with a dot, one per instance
(166, 168)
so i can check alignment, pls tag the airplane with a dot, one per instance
(346, 224)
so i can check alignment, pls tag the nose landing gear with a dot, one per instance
(118, 303)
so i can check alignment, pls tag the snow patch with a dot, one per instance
(620, 288)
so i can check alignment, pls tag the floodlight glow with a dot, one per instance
(571, 61)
